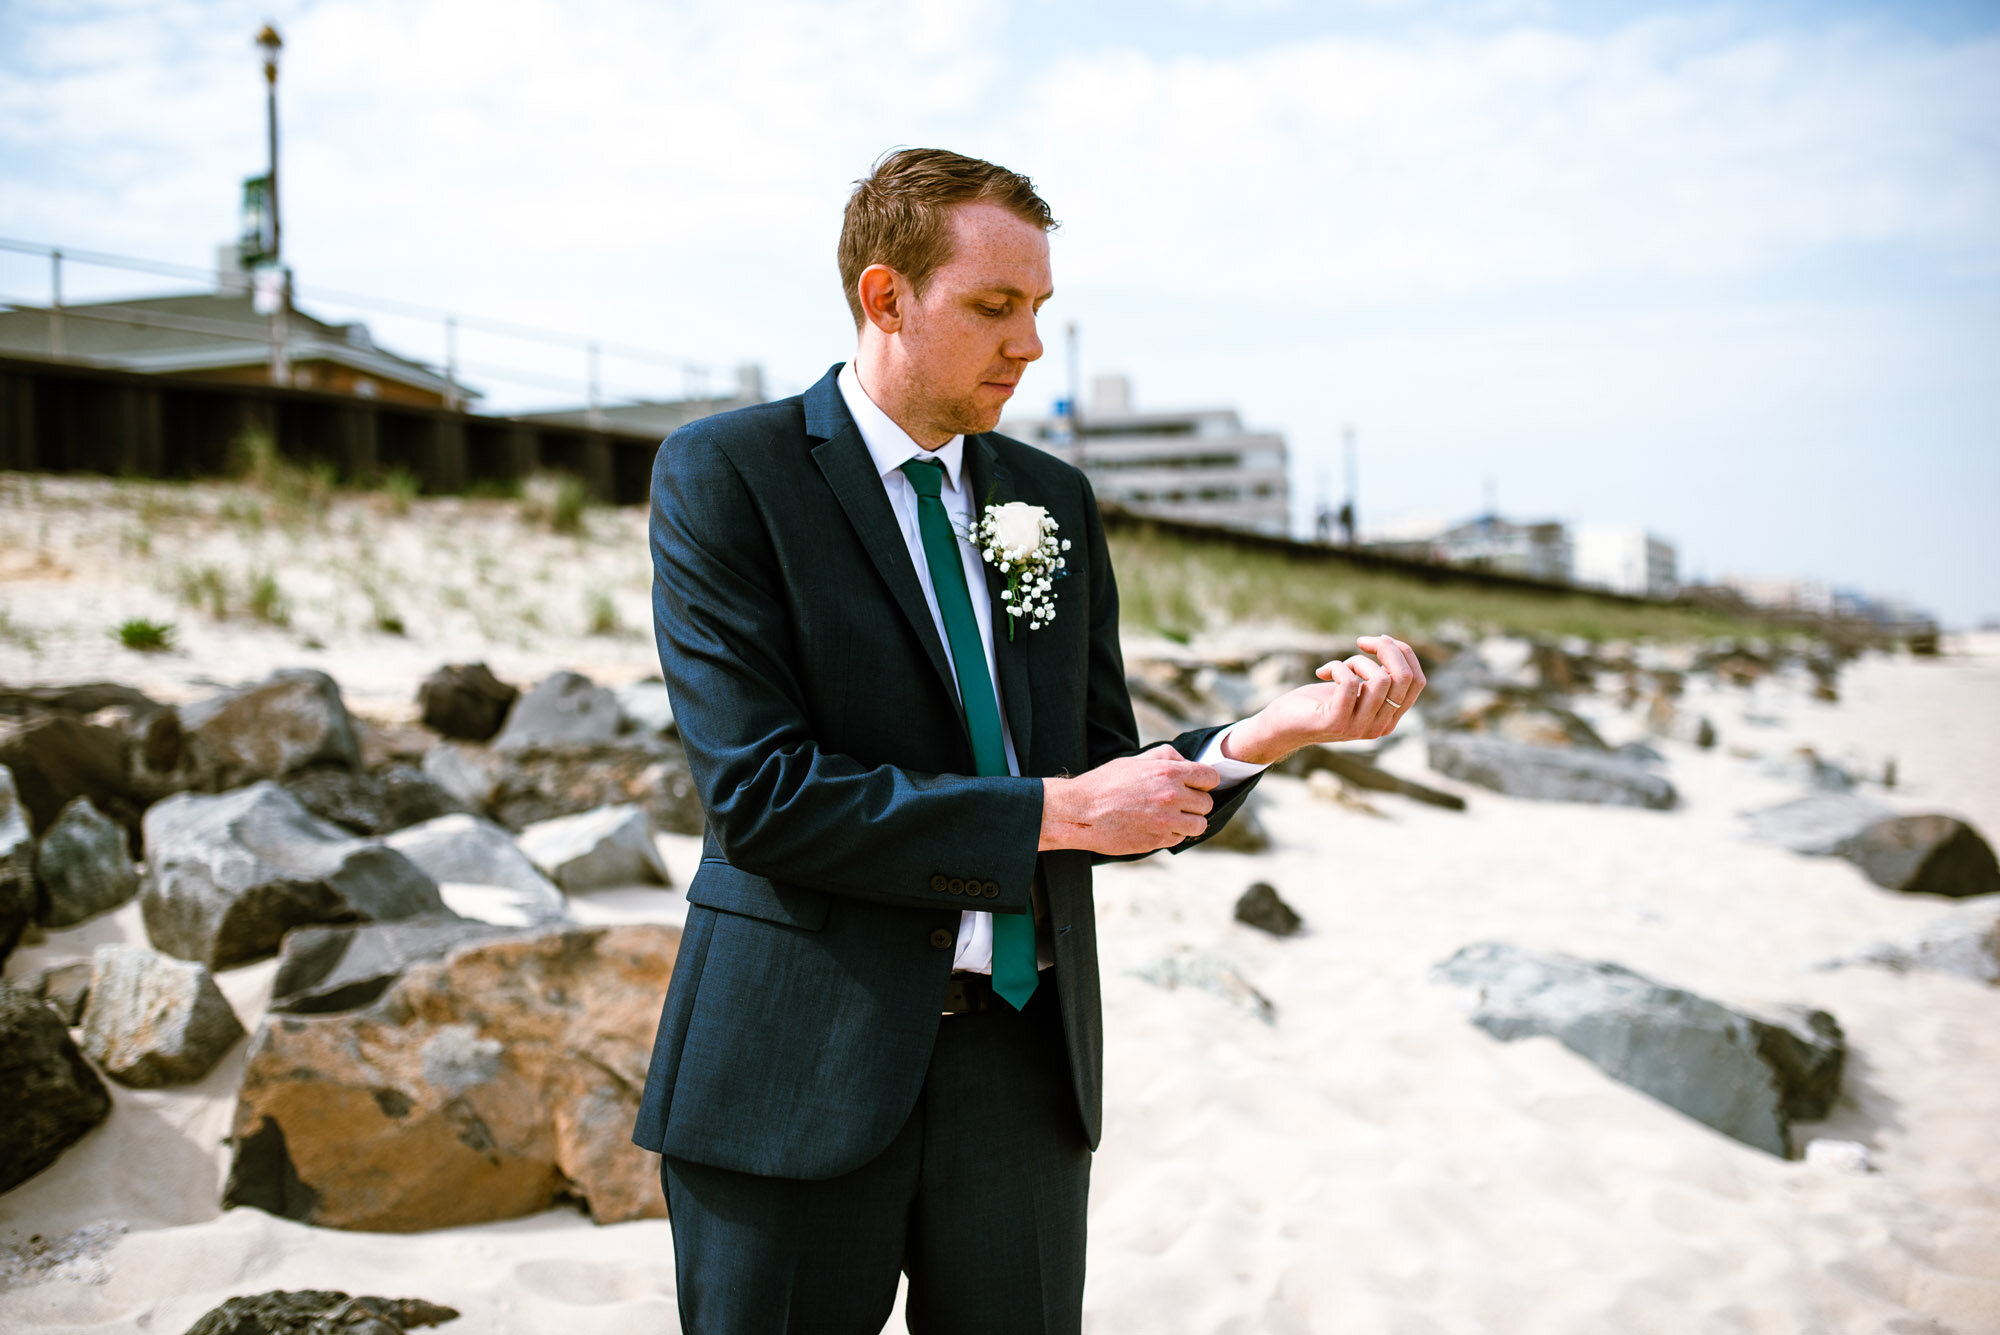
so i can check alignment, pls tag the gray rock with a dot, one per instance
(1747, 1075)
(18, 896)
(472, 851)
(293, 718)
(228, 876)
(1208, 973)
(647, 707)
(56, 758)
(1639, 753)
(324, 969)
(65, 987)
(465, 701)
(83, 866)
(397, 797)
(51, 1095)
(1964, 942)
(1363, 772)
(1924, 855)
(1816, 824)
(609, 846)
(319, 1312)
(1262, 907)
(153, 1020)
(544, 782)
(1548, 773)
(563, 709)
(469, 774)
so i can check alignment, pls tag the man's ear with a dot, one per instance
(883, 292)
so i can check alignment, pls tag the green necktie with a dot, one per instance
(1014, 965)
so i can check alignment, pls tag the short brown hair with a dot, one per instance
(899, 214)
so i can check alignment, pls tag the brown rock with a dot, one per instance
(153, 1020)
(465, 701)
(541, 783)
(291, 719)
(485, 1085)
(1925, 855)
(56, 758)
(50, 1094)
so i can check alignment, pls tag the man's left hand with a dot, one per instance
(1356, 699)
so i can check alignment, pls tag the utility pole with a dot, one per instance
(1075, 403)
(271, 44)
(1349, 521)
(55, 304)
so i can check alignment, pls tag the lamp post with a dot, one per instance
(270, 44)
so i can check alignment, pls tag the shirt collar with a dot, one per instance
(888, 444)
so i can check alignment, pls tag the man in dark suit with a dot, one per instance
(881, 1049)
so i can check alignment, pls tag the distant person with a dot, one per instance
(881, 1050)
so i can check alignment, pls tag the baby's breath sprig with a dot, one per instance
(1021, 540)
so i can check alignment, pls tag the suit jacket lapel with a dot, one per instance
(992, 484)
(843, 458)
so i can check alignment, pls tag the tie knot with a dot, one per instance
(926, 475)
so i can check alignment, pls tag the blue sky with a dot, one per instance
(1731, 272)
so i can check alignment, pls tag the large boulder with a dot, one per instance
(1749, 1076)
(228, 876)
(1964, 941)
(51, 1095)
(153, 1020)
(647, 707)
(465, 701)
(393, 799)
(1816, 824)
(466, 850)
(319, 1312)
(83, 866)
(1924, 855)
(18, 896)
(468, 773)
(486, 1085)
(594, 849)
(345, 968)
(1548, 773)
(293, 718)
(563, 709)
(56, 758)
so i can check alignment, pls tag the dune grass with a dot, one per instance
(1181, 587)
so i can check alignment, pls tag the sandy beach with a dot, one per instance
(1365, 1160)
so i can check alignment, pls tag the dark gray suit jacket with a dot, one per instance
(846, 829)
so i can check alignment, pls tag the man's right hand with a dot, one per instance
(1131, 805)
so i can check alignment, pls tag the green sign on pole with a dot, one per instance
(256, 242)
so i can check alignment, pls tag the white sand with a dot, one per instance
(1370, 1162)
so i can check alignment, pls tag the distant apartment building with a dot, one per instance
(1533, 550)
(656, 417)
(1624, 560)
(1197, 465)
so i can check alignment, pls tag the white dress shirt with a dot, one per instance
(891, 447)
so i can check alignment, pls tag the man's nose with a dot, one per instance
(1025, 346)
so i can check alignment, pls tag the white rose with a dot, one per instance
(1018, 526)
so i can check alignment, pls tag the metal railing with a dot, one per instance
(697, 379)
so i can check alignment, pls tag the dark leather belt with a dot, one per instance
(970, 993)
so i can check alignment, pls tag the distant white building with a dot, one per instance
(1535, 550)
(1624, 560)
(1198, 465)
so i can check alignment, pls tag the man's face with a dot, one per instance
(966, 341)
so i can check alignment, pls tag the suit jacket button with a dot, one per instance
(957, 886)
(938, 883)
(993, 889)
(942, 940)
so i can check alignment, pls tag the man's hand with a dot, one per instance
(1361, 698)
(1132, 805)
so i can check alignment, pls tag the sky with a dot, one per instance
(1730, 272)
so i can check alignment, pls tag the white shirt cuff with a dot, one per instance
(1232, 771)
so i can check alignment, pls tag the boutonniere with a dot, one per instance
(1021, 540)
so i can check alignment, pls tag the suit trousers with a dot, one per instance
(980, 1198)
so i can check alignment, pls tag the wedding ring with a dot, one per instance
(1392, 704)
